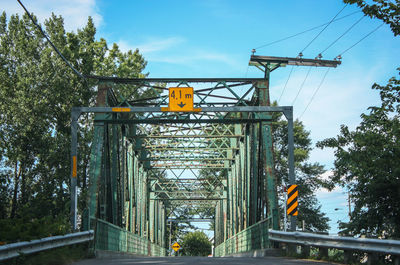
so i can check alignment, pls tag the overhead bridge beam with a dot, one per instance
(172, 80)
(189, 136)
(175, 220)
(283, 109)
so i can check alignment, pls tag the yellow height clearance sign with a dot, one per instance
(292, 202)
(180, 100)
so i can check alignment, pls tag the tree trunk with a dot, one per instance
(17, 173)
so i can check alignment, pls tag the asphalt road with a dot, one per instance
(199, 261)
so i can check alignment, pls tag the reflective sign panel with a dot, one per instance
(180, 99)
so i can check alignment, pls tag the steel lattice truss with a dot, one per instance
(152, 164)
(148, 165)
(187, 146)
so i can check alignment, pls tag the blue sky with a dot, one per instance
(214, 38)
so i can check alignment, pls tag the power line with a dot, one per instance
(51, 43)
(322, 30)
(372, 31)
(352, 26)
(287, 81)
(305, 31)
(247, 71)
(315, 92)
(302, 84)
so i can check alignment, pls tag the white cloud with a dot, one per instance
(74, 12)
(160, 44)
(153, 45)
(196, 56)
(174, 50)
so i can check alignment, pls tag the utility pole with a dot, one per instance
(285, 210)
(267, 64)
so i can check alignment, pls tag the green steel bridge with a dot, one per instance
(149, 164)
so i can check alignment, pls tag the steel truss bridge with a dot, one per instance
(147, 165)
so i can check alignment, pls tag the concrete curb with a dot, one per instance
(268, 252)
(105, 254)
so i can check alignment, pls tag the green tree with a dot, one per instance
(308, 175)
(386, 10)
(196, 244)
(367, 162)
(37, 91)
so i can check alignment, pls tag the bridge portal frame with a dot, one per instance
(77, 111)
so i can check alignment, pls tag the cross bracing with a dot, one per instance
(211, 162)
(149, 164)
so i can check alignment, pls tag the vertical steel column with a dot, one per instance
(242, 178)
(230, 202)
(218, 222)
(163, 226)
(96, 172)
(152, 218)
(254, 174)
(237, 194)
(248, 176)
(225, 211)
(114, 173)
(74, 168)
(266, 134)
(289, 117)
(130, 170)
(95, 167)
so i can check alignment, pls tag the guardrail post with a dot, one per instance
(323, 253)
(305, 250)
(396, 260)
(347, 257)
(291, 249)
(372, 258)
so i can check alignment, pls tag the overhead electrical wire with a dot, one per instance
(305, 31)
(302, 84)
(301, 54)
(344, 33)
(287, 81)
(315, 92)
(339, 57)
(372, 31)
(321, 31)
(51, 43)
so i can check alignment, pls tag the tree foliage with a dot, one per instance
(386, 10)
(196, 244)
(37, 91)
(367, 162)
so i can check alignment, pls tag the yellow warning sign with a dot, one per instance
(292, 203)
(176, 246)
(180, 99)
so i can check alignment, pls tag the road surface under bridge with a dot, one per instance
(201, 260)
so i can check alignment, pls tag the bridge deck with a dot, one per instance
(201, 260)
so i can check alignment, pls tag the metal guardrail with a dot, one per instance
(27, 247)
(366, 245)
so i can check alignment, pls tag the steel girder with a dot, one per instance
(141, 159)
